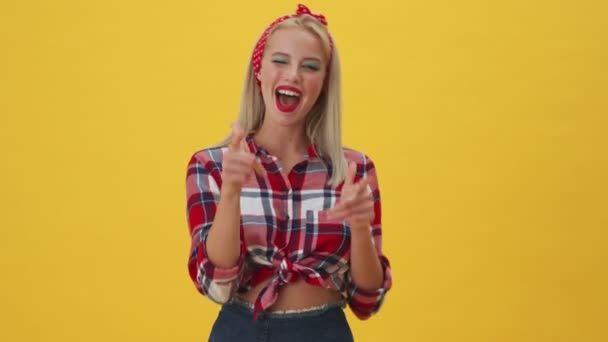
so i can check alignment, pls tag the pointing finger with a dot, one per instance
(257, 167)
(237, 137)
(351, 171)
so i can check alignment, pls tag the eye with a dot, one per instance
(312, 66)
(279, 60)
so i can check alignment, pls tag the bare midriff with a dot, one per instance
(295, 296)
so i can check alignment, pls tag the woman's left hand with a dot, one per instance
(356, 205)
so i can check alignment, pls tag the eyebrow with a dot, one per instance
(316, 59)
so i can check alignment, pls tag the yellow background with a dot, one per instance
(487, 122)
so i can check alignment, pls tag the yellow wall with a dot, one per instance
(487, 121)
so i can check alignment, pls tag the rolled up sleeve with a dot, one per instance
(364, 303)
(203, 182)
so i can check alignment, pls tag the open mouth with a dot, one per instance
(287, 98)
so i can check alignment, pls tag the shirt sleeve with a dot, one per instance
(203, 182)
(364, 303)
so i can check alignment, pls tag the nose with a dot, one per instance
(292, 74)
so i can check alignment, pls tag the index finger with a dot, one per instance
(256, 164)
(351, 171)
(237, 136)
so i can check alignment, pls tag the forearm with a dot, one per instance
(223, 239)
(366, 269)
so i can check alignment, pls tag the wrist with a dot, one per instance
(230, 192)
(360, 229)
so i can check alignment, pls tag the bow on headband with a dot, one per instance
(304, 10)
(258, 51)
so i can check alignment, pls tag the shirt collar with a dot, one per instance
(311, 151)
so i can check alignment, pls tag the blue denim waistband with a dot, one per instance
(247, 308)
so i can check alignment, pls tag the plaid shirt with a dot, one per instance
(285, 234)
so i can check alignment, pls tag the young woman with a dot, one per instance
(285, 221)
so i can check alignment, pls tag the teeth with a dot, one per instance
(288, 92)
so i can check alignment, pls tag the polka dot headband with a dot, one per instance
(258, 51)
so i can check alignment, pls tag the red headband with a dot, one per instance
(258, 51)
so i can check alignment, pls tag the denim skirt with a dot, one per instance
(326, 323)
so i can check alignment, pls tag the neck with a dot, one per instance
(282, 142)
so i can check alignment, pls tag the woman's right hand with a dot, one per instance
(238, 163)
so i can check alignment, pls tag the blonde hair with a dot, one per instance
(323, 123)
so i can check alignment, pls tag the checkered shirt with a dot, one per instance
(285, 232)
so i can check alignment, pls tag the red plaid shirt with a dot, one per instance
(285, 234)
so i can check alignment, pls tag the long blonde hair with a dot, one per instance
(323, 123)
